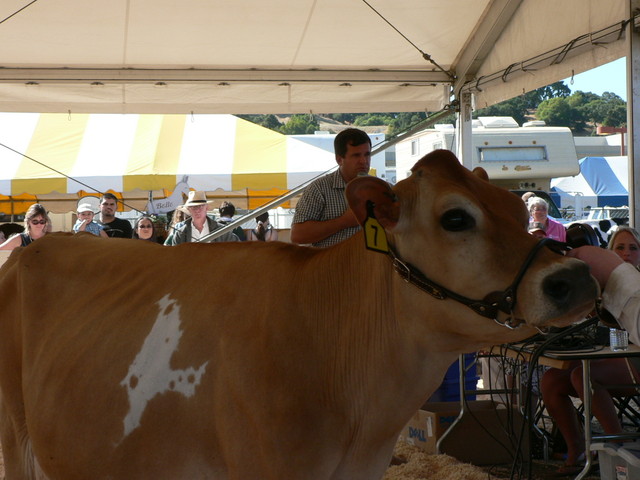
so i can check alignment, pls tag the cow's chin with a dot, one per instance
(574, 315)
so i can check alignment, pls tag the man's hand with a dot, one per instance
(601, 261)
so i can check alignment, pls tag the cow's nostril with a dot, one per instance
(561, 285)
(557, 288)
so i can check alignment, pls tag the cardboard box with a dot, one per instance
(486, 435)
(426, 427)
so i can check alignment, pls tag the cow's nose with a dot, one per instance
(560, 285)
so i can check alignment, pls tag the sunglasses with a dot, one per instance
(145, 226)
(38, 222)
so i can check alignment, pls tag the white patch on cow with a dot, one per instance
(150, 373)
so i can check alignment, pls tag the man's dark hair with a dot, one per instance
(350, 136)
(109, 196)
(227, 209)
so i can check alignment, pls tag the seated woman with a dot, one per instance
(144, 229)
(558, 386)
(264, 231)
(37, 224)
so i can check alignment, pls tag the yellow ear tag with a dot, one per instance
(375, 237)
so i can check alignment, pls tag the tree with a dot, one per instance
(608, 110)
(514, 107)
(300, 125)
(403, 121)
(561, 112)
(373, 119)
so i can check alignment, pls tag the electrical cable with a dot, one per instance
(533, 361)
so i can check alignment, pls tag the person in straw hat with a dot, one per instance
(198, 227)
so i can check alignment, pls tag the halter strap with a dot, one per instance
(491, 304)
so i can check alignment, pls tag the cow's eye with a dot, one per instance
(457, 220)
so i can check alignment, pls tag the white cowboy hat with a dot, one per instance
(196, 198)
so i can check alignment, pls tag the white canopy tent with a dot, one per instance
(602, 182)
(281, 56)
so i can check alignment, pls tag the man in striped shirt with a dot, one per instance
(322, 216)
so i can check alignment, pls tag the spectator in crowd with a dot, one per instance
(177, 220)
(625, 242)
(198, 227)
(227, 211)
(264, 231)
(37, 224)
(539, 210)
(560, 385)
(113, 226)
(322, 216)
(85, 222)
(144, 229)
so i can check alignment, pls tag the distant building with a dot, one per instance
(599, 146)
(383, 163)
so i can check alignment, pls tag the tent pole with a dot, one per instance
(463, 124)
(633, 111)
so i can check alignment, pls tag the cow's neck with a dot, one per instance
(373, 344)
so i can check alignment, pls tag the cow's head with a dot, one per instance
(470, 237)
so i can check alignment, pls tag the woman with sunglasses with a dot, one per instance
(37, 223)
(144, 229)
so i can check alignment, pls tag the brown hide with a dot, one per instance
(124, 359)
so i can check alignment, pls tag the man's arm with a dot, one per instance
(313, 231)
(602, 262)
(621, 296)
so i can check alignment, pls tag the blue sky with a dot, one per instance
(610, 77)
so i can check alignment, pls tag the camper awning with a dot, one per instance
(70, 154)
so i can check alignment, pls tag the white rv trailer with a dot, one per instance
(516, 158)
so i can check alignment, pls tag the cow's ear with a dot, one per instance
(364, 191)
(482, 173)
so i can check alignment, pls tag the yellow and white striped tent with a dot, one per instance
(59, 157)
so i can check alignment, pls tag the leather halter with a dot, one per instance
(490, 305)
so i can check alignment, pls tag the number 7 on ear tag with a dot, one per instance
(375, 238)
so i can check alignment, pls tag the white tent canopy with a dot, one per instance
(46, 154)
(602, 182)
(282, 56)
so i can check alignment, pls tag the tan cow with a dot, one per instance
(124, 360)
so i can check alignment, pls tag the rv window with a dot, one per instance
(415, 147)
(513, 154)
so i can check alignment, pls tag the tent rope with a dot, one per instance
(18, 11)
(64, 174)
(425, 55)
